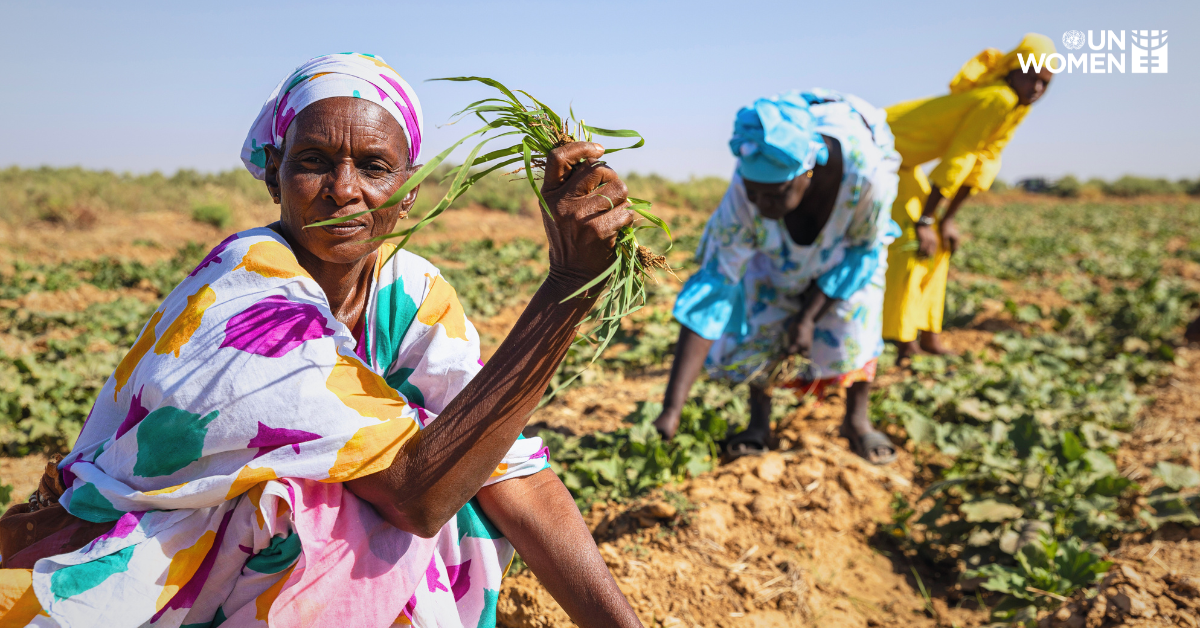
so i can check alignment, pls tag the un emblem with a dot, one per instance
(1149, 40)
(1073, 40)
(1149, 51)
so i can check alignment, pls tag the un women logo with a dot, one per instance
(1149, 51)
(1073, 40)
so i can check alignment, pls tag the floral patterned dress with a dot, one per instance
(752, 272)
(219, 447)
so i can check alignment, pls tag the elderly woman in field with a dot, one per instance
(966, 130)
(303, 434)
(792, 263)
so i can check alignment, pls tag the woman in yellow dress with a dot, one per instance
(966, 130)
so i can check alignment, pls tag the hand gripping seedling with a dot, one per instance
(541, 130)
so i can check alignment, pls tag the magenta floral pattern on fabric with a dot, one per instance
(269, 439)
(460, 579)
(274, 326)
(214, 256)
(121, 529)
(136, 413)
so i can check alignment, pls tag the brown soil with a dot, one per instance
(23, 474)
(786, 539)
(154, 236)
(780, 540)
(792, 538)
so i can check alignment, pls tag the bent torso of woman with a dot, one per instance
(807, 221)
(925, 128)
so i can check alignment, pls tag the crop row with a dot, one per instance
(1018, 437)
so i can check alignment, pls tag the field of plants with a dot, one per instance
(1050, 473)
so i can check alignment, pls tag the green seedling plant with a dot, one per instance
(1045, 573)
(1176, 500)
(538, 130)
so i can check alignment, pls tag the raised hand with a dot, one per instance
(589, 203)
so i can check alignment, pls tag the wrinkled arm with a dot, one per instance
(539, 517)
(445, 464)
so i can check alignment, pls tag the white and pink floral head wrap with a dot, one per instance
(352, 74)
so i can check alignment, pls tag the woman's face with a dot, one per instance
(340, 156)
(776, 200)
(1030, 86)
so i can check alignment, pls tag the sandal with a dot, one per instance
(735, 449)
(871, 442)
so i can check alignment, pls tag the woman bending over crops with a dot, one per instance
(792, 264)
(303, 434)
(966, 129)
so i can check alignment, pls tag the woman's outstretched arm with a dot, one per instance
(538, 516)
(443, 466)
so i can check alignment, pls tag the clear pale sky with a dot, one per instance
(140, 86)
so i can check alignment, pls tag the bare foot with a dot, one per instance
(931, 343)
(666, 424)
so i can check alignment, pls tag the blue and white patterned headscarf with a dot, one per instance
(775, 139)
(351, 74)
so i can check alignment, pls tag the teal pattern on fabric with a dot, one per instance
(852, 273)
(170, 439)
(87, 503)
(279, 555)
(487, 619)
(76, 579)
(399, 381)
(473, 523)
(394, 313)
(258, 154)
(217, 620)
(711, 305)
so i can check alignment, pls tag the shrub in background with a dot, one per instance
(703, 193)
(1066, 187)
(213, 214)
(59, 194)
(1130, 186)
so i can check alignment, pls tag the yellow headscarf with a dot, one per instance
(992, 65)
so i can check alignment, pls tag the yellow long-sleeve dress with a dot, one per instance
(966, 131)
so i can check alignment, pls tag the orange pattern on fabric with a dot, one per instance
(818, 388)
(381, 258)
(247, 478)
(164, 491)
(262, 603)
(184, 564)
(272, 259)
(180, 331)
(18, 604)
(442, 306)
(372, 448)
(500, 470)
(379, 63)
(135, 355)
(255, 496)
